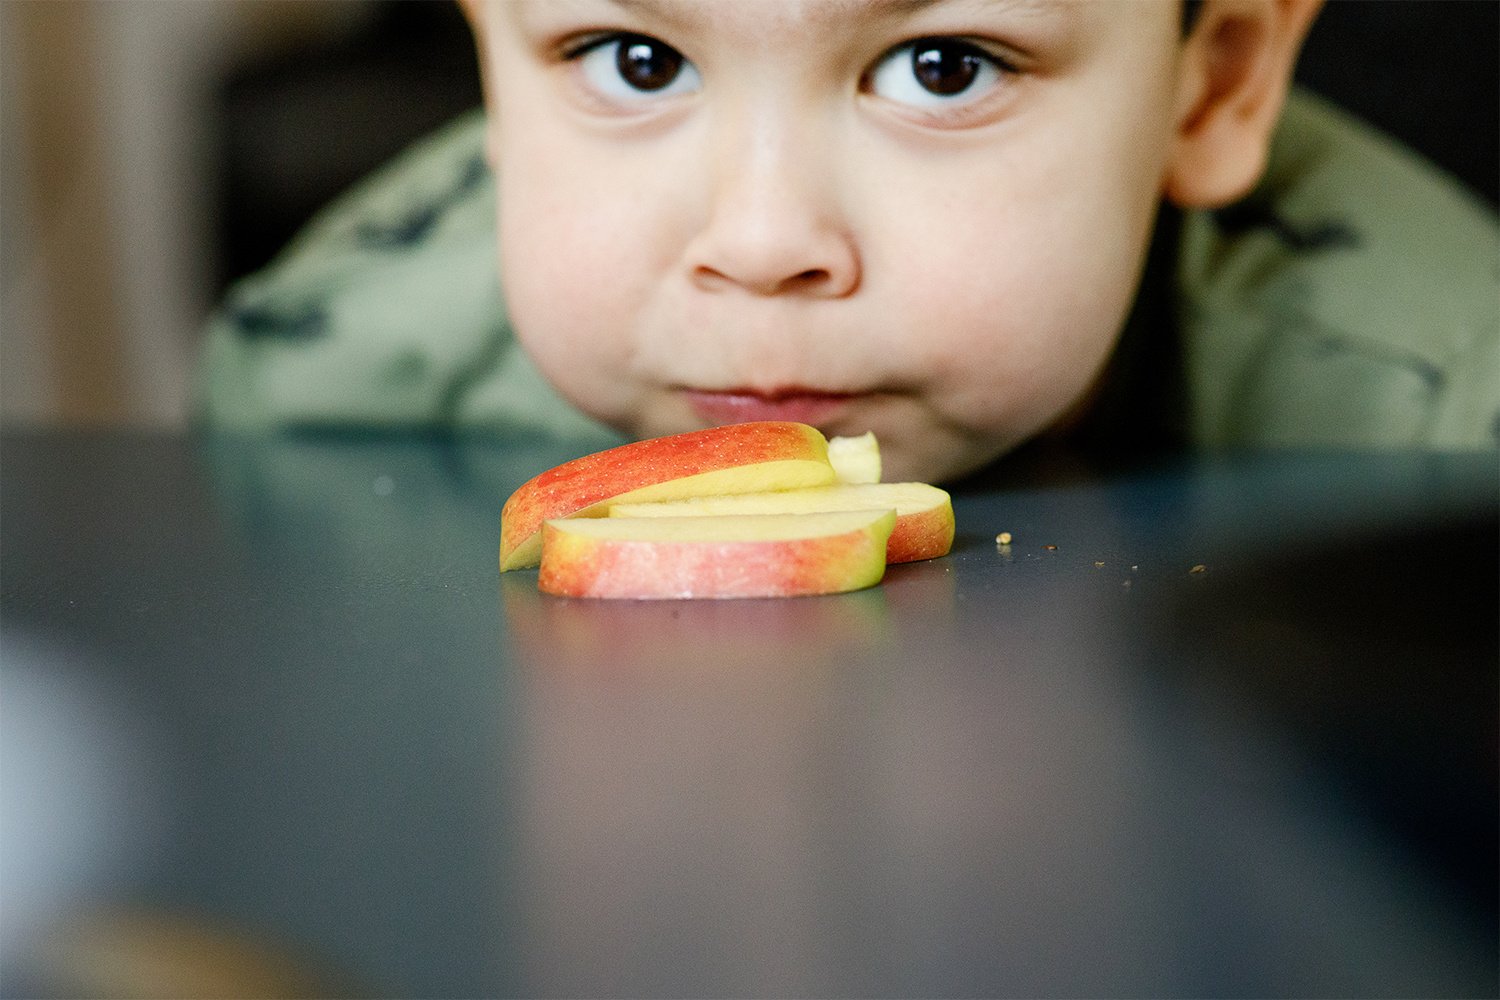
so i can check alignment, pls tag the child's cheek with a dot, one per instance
(565, 292)
(1015, 308)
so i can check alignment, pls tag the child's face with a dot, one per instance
(922, 219)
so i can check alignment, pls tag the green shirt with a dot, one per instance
(1353, 300)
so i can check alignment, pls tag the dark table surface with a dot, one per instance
(1206, 727)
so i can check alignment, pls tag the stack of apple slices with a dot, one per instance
(766, 509)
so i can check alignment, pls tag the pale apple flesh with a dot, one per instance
(753, 555)
(855, 459)
(924, 514)
(735, 458)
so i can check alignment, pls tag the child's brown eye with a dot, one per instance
(932, 73)
(647, 64)
(946, 67)
(629, 69)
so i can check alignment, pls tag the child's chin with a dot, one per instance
(935, 460)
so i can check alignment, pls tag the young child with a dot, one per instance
(962, 224)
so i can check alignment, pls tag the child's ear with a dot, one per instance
(1237, 66)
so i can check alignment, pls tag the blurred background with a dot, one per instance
(151, 151)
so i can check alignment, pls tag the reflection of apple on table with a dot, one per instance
(765, 509)
(701, 637)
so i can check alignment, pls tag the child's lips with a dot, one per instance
(738, 406)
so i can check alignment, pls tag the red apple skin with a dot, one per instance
(575, 486)
(576, 566)
(926, 535)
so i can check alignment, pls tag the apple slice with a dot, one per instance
(735, 458)
(924, 514)
(855, 459)
(753, 555)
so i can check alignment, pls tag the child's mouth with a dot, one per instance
(738, 406)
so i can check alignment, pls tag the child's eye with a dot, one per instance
(936, 72)
(632, 68)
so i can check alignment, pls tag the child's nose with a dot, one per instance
(774, 227)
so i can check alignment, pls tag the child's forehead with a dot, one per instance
(810, 13)
(829, 11)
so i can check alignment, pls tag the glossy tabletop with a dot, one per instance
(1204, 727)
